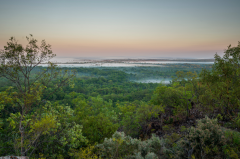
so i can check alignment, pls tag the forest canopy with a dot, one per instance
(53, 112)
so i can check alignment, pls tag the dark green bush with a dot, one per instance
(208, 140)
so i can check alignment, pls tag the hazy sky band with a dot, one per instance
(125, 27)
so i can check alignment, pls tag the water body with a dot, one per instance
(171, 62)
(104, 65)
(129, 64)
(148, 64)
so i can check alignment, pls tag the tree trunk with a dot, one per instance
(21, 129)
(161, 120)
(22, 144)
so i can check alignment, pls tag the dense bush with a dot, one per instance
(122, 146)
(208, 140)
(134, 117)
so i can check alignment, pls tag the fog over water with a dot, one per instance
(163, 81)
(84, 59)
(124, 63)
(80, 62)
(148, 64)
(104, 65)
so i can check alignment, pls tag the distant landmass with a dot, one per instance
(126, 60)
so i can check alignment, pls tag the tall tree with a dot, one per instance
(222, 89)
(20, 65)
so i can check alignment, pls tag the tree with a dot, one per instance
(98, 118)
(20, 65)
(222, 89)
(65, 134)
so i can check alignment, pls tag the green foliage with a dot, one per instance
(45, 114)
(66, 133)
(221, 84)
(98, 118)
(121, 146)
(169, 121)
(85, 153)
(118, 146)
(232, 148)
(16, 65)
(237, 120)
(134, 116)
(127, 113)
(207, 139)
(146, 111)
(151, 155)
(183, 129)
(177, 98)
(167, 128)
(219, 117)
(170, 139)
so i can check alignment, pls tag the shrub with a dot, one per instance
(118, 146)
(157, 146)
(172, 138)
(181, 149)
(232, 148)
(151, 155)
(237, 121)
(183, 128)
(207, 140)
(168, 128)
(84, 153)
(121, 146)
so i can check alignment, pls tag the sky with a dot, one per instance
(124, 28)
